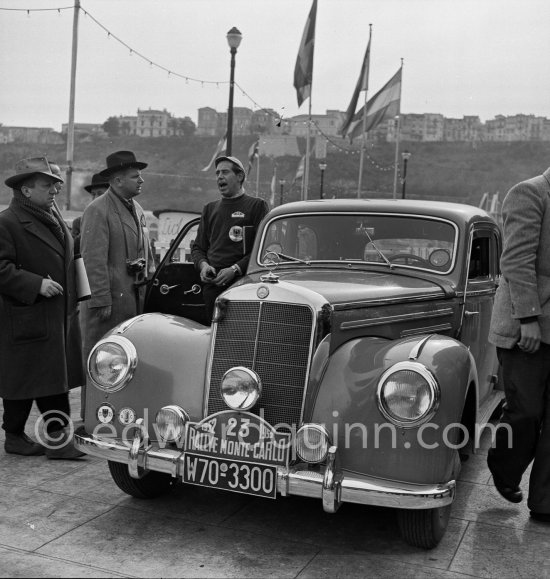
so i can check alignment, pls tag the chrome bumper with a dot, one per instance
(332, 487)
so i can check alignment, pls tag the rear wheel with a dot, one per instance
(151, 485)
(423, 528)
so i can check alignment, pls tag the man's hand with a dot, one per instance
(50, 288)
(207, 273)
(530, 337)
(225, 276)
(104, 313)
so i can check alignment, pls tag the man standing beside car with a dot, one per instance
(40, 349)
(116, 250)
(218, 251)
(520, 328)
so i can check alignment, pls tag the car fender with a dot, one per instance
(172, 356)
(346, 403)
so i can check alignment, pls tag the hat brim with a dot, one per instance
(12, 182)
(110, 170)
(90, 187)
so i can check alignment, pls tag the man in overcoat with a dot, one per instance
(520, 328)
(40, 349)
(116, 250)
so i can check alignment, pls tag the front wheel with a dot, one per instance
(149, 486)
(423, 528)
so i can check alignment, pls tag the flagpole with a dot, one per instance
(364, 139)
(258, 174)
(305, 180)
(397, 137)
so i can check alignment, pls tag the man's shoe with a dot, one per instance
(512, 494)
(23, 445)
(61, 447)
(541, 517)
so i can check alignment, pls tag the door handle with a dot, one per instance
(195, 289)
(469, 314)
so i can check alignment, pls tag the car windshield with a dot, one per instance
(390, 240)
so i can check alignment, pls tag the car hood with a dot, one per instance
(339, 287)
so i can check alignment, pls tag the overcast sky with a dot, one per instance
(461, 57)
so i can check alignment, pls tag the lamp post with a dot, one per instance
(234, 38)
(405, 155)
(282, 185)
(322, 166)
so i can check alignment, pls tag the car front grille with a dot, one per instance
(274, 340)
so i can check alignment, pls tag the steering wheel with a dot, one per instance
(409, 257)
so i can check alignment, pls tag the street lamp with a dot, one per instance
(282, 185)
(322, 166)
(405, 155)
(234, 38)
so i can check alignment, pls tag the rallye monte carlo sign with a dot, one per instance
(235, 451)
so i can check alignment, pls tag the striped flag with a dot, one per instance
(220, 148)
(384, 105)
(303, 71)
(273, 187)
(362, 84)
(300, 170)
(253, 153)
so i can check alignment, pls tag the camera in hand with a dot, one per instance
(134, 266)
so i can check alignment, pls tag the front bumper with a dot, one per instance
(329, 485)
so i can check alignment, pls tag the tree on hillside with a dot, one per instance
(187, 126)
(112, 127)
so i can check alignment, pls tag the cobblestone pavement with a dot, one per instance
(68, 519)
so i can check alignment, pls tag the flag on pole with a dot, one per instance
(220, 147)
(362, 84)
(300, 170)
(303, 71)
(384, 105)
(253, 153)
(273, 187)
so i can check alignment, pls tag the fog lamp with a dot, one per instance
(170, 421)
(312, 443)
(240, 388)
(408, 394)
(111, 363)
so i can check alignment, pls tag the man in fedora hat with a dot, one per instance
(116, 249)
(97, 187)
(218, 250)
(40, 351)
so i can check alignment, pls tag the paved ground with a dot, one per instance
(68, 519)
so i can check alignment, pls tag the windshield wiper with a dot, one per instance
(377, 250)
(284, 257)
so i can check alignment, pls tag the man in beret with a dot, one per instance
(218, 250)
(116, 249)
(40, 349)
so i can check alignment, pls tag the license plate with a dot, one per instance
(230, 475)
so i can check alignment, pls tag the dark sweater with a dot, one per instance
(219, 238)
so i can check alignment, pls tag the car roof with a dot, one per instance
(457, 212)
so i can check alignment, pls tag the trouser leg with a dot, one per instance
(55, 410)
(539, 481)
(522, 414)
(16, 414)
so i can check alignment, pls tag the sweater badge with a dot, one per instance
(236, 233)
(237, 214)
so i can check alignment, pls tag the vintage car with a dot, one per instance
(350, 363)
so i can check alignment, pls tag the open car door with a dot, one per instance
(176, 287)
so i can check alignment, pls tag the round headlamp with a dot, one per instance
(408, 394)
(111, 363)
(170, 421)
(312, 443)
(240, 388)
